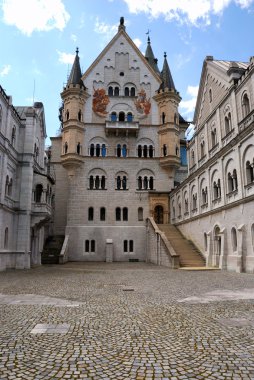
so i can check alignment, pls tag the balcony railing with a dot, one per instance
(122, 127)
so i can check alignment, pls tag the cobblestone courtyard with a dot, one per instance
(126, 321)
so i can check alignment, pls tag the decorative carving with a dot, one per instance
(143, 105)
(100, 101)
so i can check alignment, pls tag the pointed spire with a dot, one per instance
(167, 80)
(150, 56)
(75, 75)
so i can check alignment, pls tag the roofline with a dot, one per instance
(104, 51)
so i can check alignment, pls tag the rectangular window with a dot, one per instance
(131, 246)
(87, 245)
(92, 245)
(125, 246)
(128, 246)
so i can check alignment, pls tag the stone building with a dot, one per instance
(214, 206)
(122, 149)
(25, 184)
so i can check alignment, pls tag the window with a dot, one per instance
(124, 150)
(133, 91)
(92, 150)
(121, 182)
(121, 116)
(164, 150)
(7, 185)
(129, 117)
(214, 137)
(205, 241)
(249, 172)
(245, 105)
(6, 238)
(202, 149)
(116, 92)
(145, 183)
(98, 150)
(38, 193)
(210, 96)
(13, 136)
(204, 196)
(65, 147)
(192, 158)
(10, 188)
(232, 181)
(183, 153)
(228, 123)
(186, 206)
(78, 148)
(79, 115)
(118, 214)
(126, 91)
(118, 150)
(128, 246)
(125, 214)
(121, 150)
(216, 190)
(93, 246)
(103, 150)
(103, 214)
(139, 151)
(140, 214)
(145, 151)
(97, 182)
(234, 239)
(110, 91)
(113, 116)
(90, 213)
(163, 117)
(150, 151)
(194, 202)
(89, 246)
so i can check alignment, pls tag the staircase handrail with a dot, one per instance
(169, 248)
(63, 257)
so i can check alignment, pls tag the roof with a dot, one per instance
(167, 80)
(150, 56)
(75, 75)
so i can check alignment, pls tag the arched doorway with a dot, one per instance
(216, 247)
(158, 214)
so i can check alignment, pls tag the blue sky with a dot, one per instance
(39, 39)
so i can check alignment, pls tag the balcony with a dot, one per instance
(41, 212)
(122, 128)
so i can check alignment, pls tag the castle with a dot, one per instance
(122, 189)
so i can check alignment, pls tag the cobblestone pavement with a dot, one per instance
(125, 321)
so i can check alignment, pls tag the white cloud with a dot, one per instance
(5, 70)
(187, 107)
(137, 42)
(107, 30)
(66, 58)
(193, 12)
(35, 15)
(74, 37)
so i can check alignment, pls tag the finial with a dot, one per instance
(77, 50)
(121, 20)
(165, 54)
(148, 40)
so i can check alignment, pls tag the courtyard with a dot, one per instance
(125, 321)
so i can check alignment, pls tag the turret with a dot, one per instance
(168, 100)
(74, 96)
(150, 56)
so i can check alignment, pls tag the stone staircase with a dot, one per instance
(189, 255)
(52, 249)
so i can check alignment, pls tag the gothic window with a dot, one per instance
(133, 91)
(6, 238)
(126, 91)
(145, 151)
(116, 92)
(121, 116)
(216, 190)
(103, 182)
(125, 214)
(140, 214)
(235, 179)
(202, 149)
(118, 214)
(113, 116)
(194, 202)
(124, 150)
(139, 151)
(90, 213)
(228, 123)
(110, 91)
(97, 182)
(204, 196)
(10, 188)
(38, 193)
(150, 151)
(124, 182)
(65, 147)
(102, 214)
(245, 105)
(186, 206)
(78, 148)
(234, 239)
(230, 183)
(249, 172)
(214, 137)
(92, 150)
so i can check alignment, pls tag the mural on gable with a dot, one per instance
(100, 101)
(143, 105)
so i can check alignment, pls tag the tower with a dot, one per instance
(74, 97)
(168, 100)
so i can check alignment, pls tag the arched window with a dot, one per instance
(145, 151)
(151, 183)
(125, 214)
(113, 116)
(124, 182)
(205, 241)
(118, 214)
(110, 91)
(230, 183)
(249, 172)
(78, 148)
(131, 246)
(103, 150)
(164, 150)
(10, 188)
(6, 238)
(118, 150)
(79, 115)
(97, 182)
(139, 183)
(129, 117)
(6, 185)
(186, 206)
(67, 115)
(103, 182)
(102, 214)
(140, 214)
(124, 150)
(139, 151)
(121, 116)
(98, 150)
(65, 147)
(150, 151)
(245, 105)
(92, 150)
(163, 117)
(202, 149)
(133, 92)
(145, 183)
(214, 137)
(38, 193)
(13, 136)
(90, 213)
(116, 92)
(118, 182)
(234, 239)
(228, 123)
(126, 91)
(91, 182)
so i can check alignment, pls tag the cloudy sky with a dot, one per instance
(39, 39)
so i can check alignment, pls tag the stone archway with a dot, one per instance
(158, 214)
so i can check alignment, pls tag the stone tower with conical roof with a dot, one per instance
(168, 100)
(74, 96)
